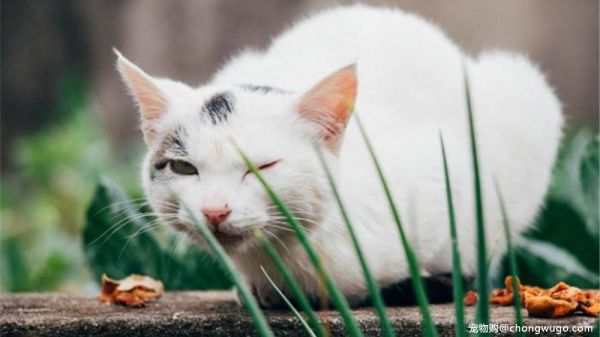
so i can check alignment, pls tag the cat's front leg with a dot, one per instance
(266, 298)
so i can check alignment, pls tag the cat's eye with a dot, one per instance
(182, 167)
(267, 165)
(263, 166)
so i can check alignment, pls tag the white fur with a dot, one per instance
(410, 88)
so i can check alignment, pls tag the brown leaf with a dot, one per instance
(470, 298)
(558, 301)
(545, 306)
(502, 297)
(132, 291)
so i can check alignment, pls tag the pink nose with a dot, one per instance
(216, 215)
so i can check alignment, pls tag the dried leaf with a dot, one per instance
(545, 306)
(501, 297)
(132, 291)
(470, 298)
(558, 301)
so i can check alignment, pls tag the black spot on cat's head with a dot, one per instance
(218, 108)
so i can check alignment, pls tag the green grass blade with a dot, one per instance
(457, 286)
(374, 292)
(292, 284)
(512, 260)
(289, 304)
(483, 307)
(248, 300)
(335, 294)
(413, 264)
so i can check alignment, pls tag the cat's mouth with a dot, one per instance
(228, 238)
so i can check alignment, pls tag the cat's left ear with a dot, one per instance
(329, 104)
(152, 101)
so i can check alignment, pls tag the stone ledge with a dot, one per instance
(212, 313)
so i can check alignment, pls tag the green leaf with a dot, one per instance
(413, 263)
(548, 264)
(258, 318)
(292, 284)
(374, 291)
(289, 304)
(590, 182)
(512, 261)
(15, 275)
(575, 180)
(457, 286)
(483, 307)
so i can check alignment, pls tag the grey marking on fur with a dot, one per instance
(265, 89)
(172, 143)
(218, 108)
(176, 141)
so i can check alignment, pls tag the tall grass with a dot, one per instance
(289, 304)
(334, 293)
(512, 260)
(248, 300)
(374, 291)
(413, 265)
(292, 284)
(483, 307)
(457, 286)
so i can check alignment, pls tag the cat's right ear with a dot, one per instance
(151, 100)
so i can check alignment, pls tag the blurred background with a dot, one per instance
(66, 120)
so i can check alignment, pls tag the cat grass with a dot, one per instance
(258, 318)
(289, 304)
(457, 286)
(512, 259)
(413, 265)
(335, 295)
(483, 307)
(291, 282)
(374, 291)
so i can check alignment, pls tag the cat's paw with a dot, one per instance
(266, 298)
(269, 299)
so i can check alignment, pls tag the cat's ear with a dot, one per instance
(329, 104)
(151, 100)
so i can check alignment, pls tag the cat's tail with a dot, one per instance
(521, 124)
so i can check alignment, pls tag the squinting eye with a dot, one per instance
(267, 165)
(182, 167)
(263, 166)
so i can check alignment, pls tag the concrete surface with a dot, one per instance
(207, 314)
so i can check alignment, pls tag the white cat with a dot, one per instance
(403, 76)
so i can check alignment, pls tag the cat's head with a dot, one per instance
(192, 159)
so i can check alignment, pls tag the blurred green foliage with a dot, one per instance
(43, 197)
